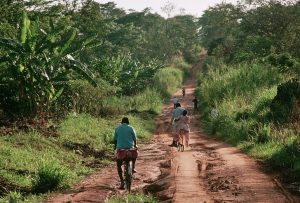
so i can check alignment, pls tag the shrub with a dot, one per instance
(49, 176)
(285, 62)
(14, 197)
(80, 96)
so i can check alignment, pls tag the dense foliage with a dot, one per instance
(47, 45)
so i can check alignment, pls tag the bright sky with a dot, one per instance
(193, 7)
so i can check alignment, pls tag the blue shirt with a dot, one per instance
(125, 136)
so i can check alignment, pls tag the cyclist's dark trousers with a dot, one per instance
(119, 165)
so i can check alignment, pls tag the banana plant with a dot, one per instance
(38, 63)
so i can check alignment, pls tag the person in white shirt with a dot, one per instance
(175, 118)
(183, 127)
(175, 101)
(214, 112)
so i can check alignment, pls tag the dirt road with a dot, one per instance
(211, 171)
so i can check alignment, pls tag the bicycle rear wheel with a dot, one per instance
(128, 175)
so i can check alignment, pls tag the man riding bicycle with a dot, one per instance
(124, 139)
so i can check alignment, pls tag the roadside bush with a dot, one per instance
(243, 56)
(254, 47)
(148, 100)
(286, 103)
(127, 73)
(180, 63)
(285, 62)
(50, 176)
(82, 97)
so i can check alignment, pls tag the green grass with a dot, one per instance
(85, 129)
(22, 153)
(17, 197)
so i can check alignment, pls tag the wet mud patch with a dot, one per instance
(218, 181)
(224, 183)
(163, 187)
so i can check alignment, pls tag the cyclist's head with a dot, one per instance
(178, 105)
(125, 120)
(184, 112)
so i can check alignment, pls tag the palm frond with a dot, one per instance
(11, 45)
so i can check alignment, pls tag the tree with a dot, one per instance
(218, 26)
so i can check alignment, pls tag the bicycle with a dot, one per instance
(181, 140)
(129, 155)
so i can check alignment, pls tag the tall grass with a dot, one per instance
(86, 129)
(243, 94)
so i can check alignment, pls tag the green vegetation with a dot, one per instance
(68, 74)
(243, 95)
(252, 76)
